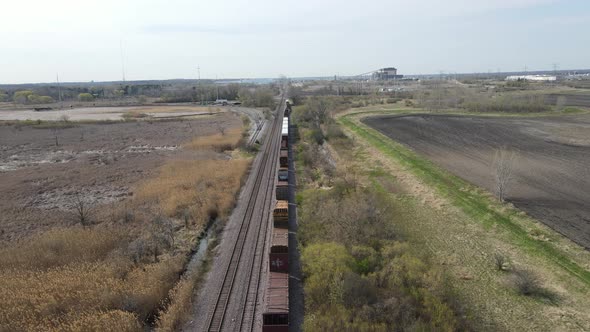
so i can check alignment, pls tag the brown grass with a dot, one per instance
(179, 308)
(89, 279)
(59, 247)
(203, 189)
(201, 186)
(92, 278)
(134, 115)
(177, 109)
(218, 142)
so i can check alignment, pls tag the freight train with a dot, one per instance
(275, 315)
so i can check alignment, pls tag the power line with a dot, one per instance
(122, 60)
(58, 87)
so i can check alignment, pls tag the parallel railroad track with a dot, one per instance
(265, 168)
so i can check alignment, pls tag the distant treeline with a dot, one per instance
(250, 95)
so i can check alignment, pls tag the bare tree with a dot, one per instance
(55, 134)
(502, 168)
(220, 128)
(83, 210)
(161, 235)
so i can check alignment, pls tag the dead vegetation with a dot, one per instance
(121, 269)
(195, 190)
(221, 141)
(503, 171)
(359, 272)
(61, 279)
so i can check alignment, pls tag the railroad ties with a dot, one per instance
(229, 291)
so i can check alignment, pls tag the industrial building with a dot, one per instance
(535, 78)
(386, 74)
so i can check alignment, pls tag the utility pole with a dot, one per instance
(58, 90)
(122, 61)
(199, 84)
(555, 67)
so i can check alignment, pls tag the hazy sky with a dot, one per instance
(81, 40)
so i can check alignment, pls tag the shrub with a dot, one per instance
(35, 99)
(22, 97)
(392, 100)
(333, 131)
(367, 259)
(323, 266)
(501, 262)
(317, 136)
(85, 97)
(527, 283)
(357, 291)
(219, 142)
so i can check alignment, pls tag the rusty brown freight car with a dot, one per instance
(275, 316)
(279, 250)
(280, 214)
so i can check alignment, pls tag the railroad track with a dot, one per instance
(248, 316)
(259, 128)
(268, 162)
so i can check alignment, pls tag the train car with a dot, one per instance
(279, 250)
(282, 188)
(285, 134)
(282, 191)
(280, 214)
(275, 316)
(283, 174)
(284, 158)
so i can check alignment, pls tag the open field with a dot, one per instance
(106, 113)
(101, 160)
(551, 173)
(463, 229)
(99, 219)
(570, 99)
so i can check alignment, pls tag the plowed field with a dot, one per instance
(551, 172)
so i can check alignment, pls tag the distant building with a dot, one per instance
(535, 78)
(385, 74)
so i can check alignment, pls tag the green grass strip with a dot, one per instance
(472, 203)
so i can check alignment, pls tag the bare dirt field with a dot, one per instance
(106, 113)
(39, 180)
(552, 171)
(569, 99)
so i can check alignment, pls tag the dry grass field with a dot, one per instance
(119, 267)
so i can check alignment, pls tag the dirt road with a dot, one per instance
(552, 172)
